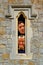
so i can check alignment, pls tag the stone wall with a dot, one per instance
(6, 37)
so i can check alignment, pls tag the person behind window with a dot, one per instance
(21, 44)
(21, 28)
(21, 25)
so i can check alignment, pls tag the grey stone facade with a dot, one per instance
(6, 33)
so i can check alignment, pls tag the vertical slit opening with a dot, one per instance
(21, 34)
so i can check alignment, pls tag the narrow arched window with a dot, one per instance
(21, 34)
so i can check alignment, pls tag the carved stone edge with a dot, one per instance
(21, 6)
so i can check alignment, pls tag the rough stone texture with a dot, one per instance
(5, 34)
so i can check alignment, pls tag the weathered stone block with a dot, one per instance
(5, 56)
(2, 31)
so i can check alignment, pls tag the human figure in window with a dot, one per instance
(21, 28)
(21, 44)
(21, 25)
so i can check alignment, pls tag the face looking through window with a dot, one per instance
(21, 27)
(21, 44)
